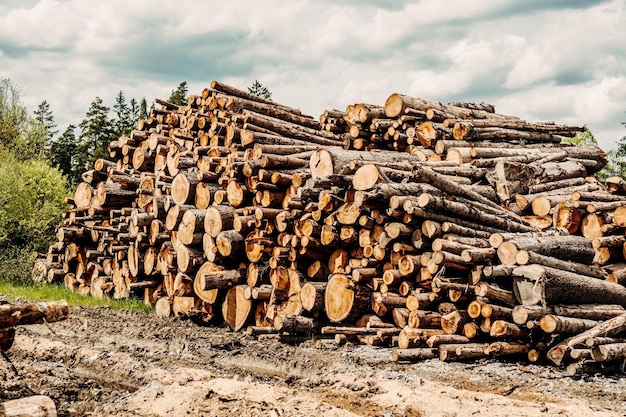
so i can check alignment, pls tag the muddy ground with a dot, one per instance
(103, 362)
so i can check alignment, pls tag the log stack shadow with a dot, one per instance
(442, 230)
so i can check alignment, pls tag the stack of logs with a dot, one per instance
(445, 230)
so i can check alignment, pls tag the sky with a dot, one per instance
(556, 60)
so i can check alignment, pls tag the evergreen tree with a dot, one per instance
(63, 154)
(179, 95)
(96, 131)
(123, 122)
(143, 109)
(260, 90)
(43, 115)
(134, 113)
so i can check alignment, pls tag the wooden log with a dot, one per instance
(507, 349)
(565, 325)
(414, 355)
(296, 324)
(448, 352)
(609, 352)
(535, 284)
(502, 328)
(441, 339)
(344, 300)
(33, 406)
(312, 296)
(236, 308)
(33, 313)
(524, 257)
(453, 322)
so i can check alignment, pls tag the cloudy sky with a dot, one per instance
(542, 60)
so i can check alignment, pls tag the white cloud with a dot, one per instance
(533, 59)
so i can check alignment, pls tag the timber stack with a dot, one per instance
(443, 230)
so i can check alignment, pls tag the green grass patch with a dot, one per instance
(32, 291)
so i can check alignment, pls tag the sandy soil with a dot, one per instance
(102, 362)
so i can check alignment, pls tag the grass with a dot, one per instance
(20, 289)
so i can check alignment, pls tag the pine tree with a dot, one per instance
(43, 115)
(143, 109)
(63, 154)
(96, 131)
(123, 122)
(134, 113)
(260, 90)
(179, 95)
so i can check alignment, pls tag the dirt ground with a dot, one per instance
(104, 362)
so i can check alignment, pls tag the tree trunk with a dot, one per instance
(34, 406)
(34, 313)
(535, 284)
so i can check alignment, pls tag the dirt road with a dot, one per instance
(103, 362)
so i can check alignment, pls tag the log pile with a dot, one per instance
(448, 231)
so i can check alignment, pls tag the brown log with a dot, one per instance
(609, 352)
(33, 313)
(502, 328)
(312, 296)
(296, 324)
(455, 351)
(414, 355)
(565, 325)
(409, 337)
(507, 348)
(235, 308)
(541, 284)
(33, 406)
(453, 322)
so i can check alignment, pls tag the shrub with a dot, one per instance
(31, 201)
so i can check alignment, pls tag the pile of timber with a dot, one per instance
(12, 315)
(448, 231)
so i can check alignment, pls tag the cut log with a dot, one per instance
(534, 284)
(414, 355)
(344, 300)
(236, 308)
(33, 313)
(34, 406)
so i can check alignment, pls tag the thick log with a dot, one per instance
(33, 313)
(534, 284)
(609, 352)
(565, 325)
(296, 324)
(344, 300)
(34, 406)
(236, 308)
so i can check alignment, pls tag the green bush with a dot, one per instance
(31, 201)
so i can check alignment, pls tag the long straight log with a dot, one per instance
(33, 313)
(538, 284)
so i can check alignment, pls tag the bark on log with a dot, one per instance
(534, 284)
(33, 313)
(34, 406)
